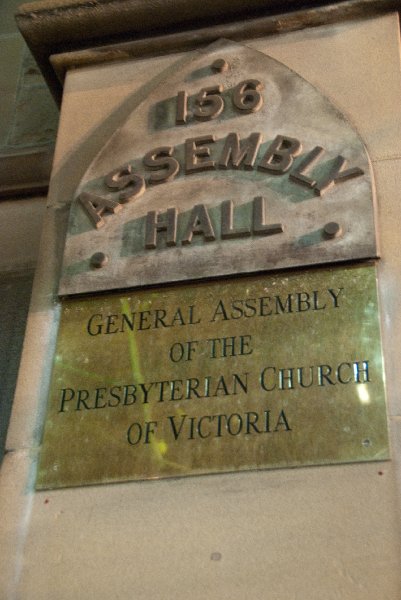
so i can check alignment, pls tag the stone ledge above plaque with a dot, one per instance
(234, 164)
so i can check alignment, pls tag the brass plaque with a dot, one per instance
(257, 372)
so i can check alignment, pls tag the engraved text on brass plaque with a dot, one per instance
(263, 371)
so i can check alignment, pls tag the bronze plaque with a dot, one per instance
(258, 372)
(218, 172)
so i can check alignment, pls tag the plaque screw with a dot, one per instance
(220, 65)
(215, 556)
(366, 443)
(332, 230)
(99, 260)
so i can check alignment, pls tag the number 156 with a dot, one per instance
(209, 103)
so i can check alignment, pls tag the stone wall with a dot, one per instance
(28, 126)
(308, 533)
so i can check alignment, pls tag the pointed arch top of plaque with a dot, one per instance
(233, 164)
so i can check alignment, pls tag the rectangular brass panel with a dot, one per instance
(257, 372)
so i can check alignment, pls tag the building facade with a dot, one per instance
(125, 75)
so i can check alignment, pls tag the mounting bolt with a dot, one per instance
(99, 260)
(220, 65)
(332, 230)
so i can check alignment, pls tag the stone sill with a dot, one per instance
(26, 173)
(62, 34)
